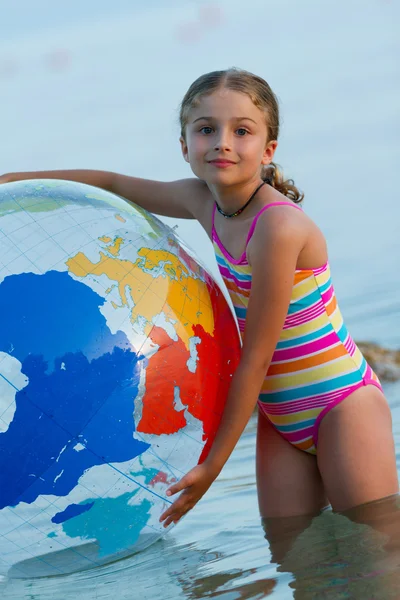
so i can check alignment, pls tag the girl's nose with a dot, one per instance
(222, 142)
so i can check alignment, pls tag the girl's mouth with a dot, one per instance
(221, 163)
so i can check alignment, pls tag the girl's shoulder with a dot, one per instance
(285, 222)
(278, 215)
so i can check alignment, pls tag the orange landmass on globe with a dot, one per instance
(115, 247)
(184, 300)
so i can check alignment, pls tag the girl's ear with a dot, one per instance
(268, 154)
(184, 148)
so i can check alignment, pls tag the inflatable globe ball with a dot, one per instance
(116, 354)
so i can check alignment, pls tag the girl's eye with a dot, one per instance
(241, 131)
(206, 130)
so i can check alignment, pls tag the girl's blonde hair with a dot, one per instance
(262, 96)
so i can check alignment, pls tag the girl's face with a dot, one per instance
(226, 139)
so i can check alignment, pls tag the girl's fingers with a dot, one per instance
(178, 487)
(175, 517)
(176, 507)
(166, 514)
(175, 512)
(168, 522)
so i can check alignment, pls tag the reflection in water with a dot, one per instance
(163, 570)
(213, 586)
(351, 555)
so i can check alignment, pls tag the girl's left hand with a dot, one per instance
(194, 485)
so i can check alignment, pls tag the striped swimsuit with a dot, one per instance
(316, 363)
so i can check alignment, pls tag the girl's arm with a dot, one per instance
(179, 199)
(273, 253)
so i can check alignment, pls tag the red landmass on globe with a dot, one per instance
(202, 393)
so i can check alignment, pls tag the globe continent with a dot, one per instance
(116, 353)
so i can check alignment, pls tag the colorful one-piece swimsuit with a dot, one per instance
(316, 363)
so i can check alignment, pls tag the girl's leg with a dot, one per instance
(356, 453)
(290, 489)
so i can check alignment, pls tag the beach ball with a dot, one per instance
(117, 349)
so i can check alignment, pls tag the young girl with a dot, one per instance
(324, 427)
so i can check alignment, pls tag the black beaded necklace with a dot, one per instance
(238, 212)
